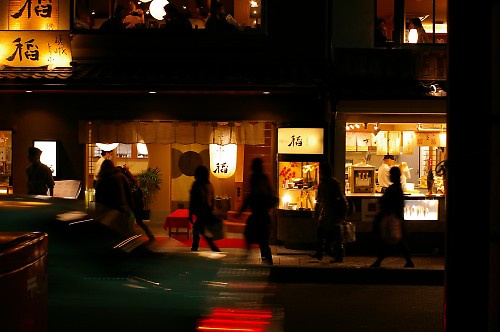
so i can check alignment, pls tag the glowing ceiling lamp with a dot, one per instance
(156, 9)
(107, 147)
(223, 160)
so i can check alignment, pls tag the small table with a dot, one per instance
(179, 219)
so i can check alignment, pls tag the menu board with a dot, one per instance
(67, 189)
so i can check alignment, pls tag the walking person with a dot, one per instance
(260, 200)
(40, 180)
(138, 200)
(330, 210)
(113, 197)
(391, 202)
(201, 207)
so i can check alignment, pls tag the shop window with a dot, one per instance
(124, 151)
(5, 161)
(90, 14)
(129, 151)
(142, 150)
(398, 15)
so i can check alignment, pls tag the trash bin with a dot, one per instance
(23, 281)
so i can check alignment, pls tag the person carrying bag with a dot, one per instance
(388, 224)
(331, 210)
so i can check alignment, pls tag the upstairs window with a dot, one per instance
(413, 21)
(244, 15)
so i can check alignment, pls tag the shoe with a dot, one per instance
(267, 261)
(317, 256)
(194, 249)
(409, 264)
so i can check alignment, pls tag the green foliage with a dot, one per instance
(149, 181)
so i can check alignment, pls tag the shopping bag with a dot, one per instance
(391, 229)
(119, 221)
(348, 232)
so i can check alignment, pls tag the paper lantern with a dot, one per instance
(223, 160)
(156, 9)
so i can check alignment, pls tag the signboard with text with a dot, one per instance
(300, 140)
(33, 15)
(35, 49)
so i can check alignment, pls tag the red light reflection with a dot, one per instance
(244, 320)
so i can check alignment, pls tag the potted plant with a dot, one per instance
(149, 181)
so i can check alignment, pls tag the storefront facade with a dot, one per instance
(251, 88)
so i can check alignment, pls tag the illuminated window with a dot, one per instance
(398, 15)
(124, 150)
(90, 14)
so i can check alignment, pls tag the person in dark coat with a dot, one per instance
(330, 211)
(260, 200)
(175, 21)
(138, 200)
(113, 197)
(40, 180)
(392, 202)
(201, 207)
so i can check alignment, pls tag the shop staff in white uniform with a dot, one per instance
(383, 171)
(104, 155)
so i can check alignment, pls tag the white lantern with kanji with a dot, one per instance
(223, 160)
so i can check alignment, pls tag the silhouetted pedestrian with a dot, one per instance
(138, 200)
(113, 199)
(201, 207)
(260, 200)
(330, 210)
(40, 180)
(391, 204)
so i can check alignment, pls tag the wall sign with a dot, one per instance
(33, 15)
(35, 49)
(301, 140)
(431, 139)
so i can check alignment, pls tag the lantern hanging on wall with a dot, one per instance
(223, 160)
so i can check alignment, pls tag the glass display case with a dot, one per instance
(423, 209)
(298, 183)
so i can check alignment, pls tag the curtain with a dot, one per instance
(168, 132)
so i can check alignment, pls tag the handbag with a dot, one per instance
(348, 232)
(391, 229)
(214, 230)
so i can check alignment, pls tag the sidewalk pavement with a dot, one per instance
(298, 266)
